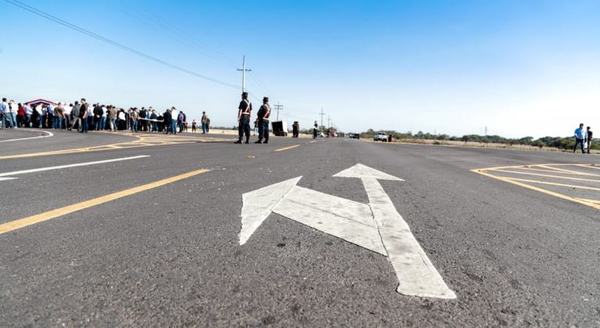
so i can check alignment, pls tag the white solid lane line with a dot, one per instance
(48, 135)
(50, 168)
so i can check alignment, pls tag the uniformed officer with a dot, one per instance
(263, 121)
(244, 111)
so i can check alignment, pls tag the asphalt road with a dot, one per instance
(170, 256)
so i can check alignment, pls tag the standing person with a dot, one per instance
(76, 116)
(579, 138)
(203, 121)
(133, 118)
(42, 115)
(208, 125)
(3, 112)
(59, 113)
(263, 121)
(174, 118)
(51, 116)
(97, 116)
(181, 121)
(142, 120)
(67, 115)
(295, 129)
(28, 115)
(154, 119)
(90, 117)
(84, 114)
(315, 127)
(244, 112)
(121, 120)
(590, 137)
(103, 118)
(112, 117)
(167, 118)
(193, 126)
(20, 116)
(12, 111)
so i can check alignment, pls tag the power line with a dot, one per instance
(180, 35)
(116, 44)
(188, 39)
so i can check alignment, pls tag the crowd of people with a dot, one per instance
(82, 117)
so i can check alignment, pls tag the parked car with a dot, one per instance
(381, 136)
(354, 135)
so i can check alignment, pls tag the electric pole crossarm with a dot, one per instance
(244, 70)
(278, 108)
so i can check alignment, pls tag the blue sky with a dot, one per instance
(518, 67)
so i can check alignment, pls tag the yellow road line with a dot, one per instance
(140, 142)
(547, 175)
(287, 148)
(555, 194)
(591, 200)
(52, 214)
(555, 184)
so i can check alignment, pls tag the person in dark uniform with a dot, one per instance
(316, 126)
(244, 111)
(263, 121)
(295, 129)
(590, 137)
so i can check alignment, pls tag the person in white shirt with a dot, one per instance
(67, 114)
(28, 113)
(103, 119)
(12, 113)
(40, 111)
(174, 116)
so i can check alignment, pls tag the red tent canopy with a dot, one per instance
(40, 101)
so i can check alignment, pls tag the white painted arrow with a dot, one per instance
(376, 226)
(416, 274)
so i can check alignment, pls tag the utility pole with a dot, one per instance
(244, 70)
(328, 122)
(278, 107)
(322, 114)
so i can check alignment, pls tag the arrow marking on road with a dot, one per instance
(376, 226)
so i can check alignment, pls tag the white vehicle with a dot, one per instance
(381, 136)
